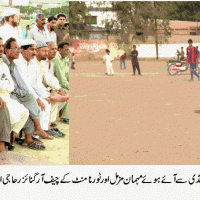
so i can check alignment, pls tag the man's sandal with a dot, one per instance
(10, 147)
(61, 133)
(54, 133)
(35, 145)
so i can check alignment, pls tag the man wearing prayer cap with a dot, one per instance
(23, 92)
(11, 27)
(30, 71)
(50, 81)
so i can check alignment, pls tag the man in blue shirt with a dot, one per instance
(25, 32)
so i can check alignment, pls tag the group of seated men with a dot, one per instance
(34, 88)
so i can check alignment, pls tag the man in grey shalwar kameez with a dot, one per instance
(21, 92)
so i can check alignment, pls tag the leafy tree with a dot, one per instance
(26, 9)
(78, 19)
(141, 18)
(185, 10)
(54, 11)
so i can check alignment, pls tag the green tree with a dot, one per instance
(141, 18)
(26, 9)
(54, 11)
(185, 10)
(78, 19)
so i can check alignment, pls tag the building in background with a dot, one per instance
(100, 14)
(45, 4)
(42, 4)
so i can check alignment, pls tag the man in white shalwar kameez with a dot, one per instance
(11, 27)
(49, 80)
(29, 70)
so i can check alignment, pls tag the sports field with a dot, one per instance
(135, 120)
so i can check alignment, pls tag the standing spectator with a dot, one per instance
(197, 49)
(50, 26)
(178, 54)
(2, 21)
(39, 32)
(25, 32)
(135, 63)
(73, 61)
(122, 61)
(60, 30)
(192, 59)
(182, 53)
(67, 25)
(11, 27)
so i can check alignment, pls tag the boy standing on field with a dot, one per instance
(192, 59)
(122, 61)
(107, 59)
(135, 63)
(73, 61)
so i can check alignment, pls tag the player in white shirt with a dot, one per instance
(107, 59)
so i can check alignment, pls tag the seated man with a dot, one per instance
(17, 112)
(5, 125)
(30, 71)
(61, 71)
(23, 93)
(49, 80)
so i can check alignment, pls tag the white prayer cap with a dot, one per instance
(41, 44)
(10, 12)
(27, 42)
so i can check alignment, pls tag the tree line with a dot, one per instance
(139, 17)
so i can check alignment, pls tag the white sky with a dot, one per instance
(16, 2)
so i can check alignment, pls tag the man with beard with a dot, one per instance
(11, 27)
(17, 112)
(50, 26)
(49, 80)
(30, 71)
(60, 30)
(23, 93)
(61, 71)
(39, 32)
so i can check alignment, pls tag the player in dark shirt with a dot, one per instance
(135, 63)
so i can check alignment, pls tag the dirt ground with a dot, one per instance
(56, 153)
(133, 120)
